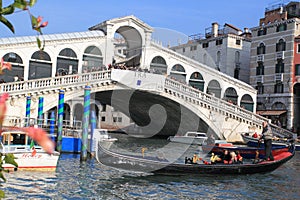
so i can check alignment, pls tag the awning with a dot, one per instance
(271, 112)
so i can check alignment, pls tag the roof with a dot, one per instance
(59, 36)
(271, 112)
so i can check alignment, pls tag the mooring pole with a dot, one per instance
(27, 115)
(52, 125)
(85, 123)
(93, 126)
(60, 119)
(40, 111)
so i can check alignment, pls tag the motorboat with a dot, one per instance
(189, 137)
(27, 154)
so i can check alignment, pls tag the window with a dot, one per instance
(115, 119)
(262, 32)
(260, 68)
(298, 49)
(219, 42)
(279, 67)
(280, 46)
(238, 42)
(297, 70)
(278, 88)
(183, 50)
(260, 88)
(281, 27)
(236, 73)
(119, 119)
(103, 119)
(193, 48)
(261, 49)
(205, 45)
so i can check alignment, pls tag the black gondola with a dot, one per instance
(162, 166)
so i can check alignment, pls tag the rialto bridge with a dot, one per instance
(161, 91)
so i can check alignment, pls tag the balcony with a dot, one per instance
(260, 58)
(279, 55)
(278, 77)
(260, 79)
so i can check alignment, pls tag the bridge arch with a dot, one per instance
(158, 65)
(40, 65)
(231, 95)
(247, 102)
(67, 62)
(214, 88)
(178, 72)
(17, 67)
(196, 81)
(92, 59)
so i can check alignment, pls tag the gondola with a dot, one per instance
(245, 151)
(277, 142)
(155, 165)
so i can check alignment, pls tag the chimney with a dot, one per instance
(215, 29)
(246, 30)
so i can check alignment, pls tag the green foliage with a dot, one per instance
(8, 158)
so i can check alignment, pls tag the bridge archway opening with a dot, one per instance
(296, 122)
(196, 81)
(67, 62)
(247, 102)
(40, 65)
(178, 73)
(214, 88)
(231, 95)
(131, 41)
(92, 59)
(158, 65)
(17, 68)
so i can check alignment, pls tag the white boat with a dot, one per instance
(102, 135)
(189, 138)
(28, 155)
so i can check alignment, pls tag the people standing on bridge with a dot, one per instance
(267, 136)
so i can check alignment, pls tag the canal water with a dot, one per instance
(91, 180)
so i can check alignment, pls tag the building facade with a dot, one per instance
(226, 49)
(274, 66)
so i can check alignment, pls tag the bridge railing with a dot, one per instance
(52, 83)
(212, 101)
(187, 91)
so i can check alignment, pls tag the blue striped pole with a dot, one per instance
(93, 126)
(85, 123)
(40, 111)
(60, 119)
(52, 124)
(27, 115)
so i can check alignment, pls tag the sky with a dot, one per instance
(186, 17)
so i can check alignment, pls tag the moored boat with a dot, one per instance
(253, 141)
(28, 155)
(163, 166)
(189, 137)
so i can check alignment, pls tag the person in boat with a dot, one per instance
(215, 159)
(256, 159)
(195, 159)
(255, 135)
(226, 157)
(267, 136)
(239, 158)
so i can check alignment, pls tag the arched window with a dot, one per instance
(17, 68)
(67, 62)
(196, 81)
(261, 49)
(92, 59)
(178, 73)
(40, 65)
(231, 95)
(280, 46)
(158, 65)
(214, 88)
(247, 102)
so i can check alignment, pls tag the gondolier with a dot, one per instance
(267, 136)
